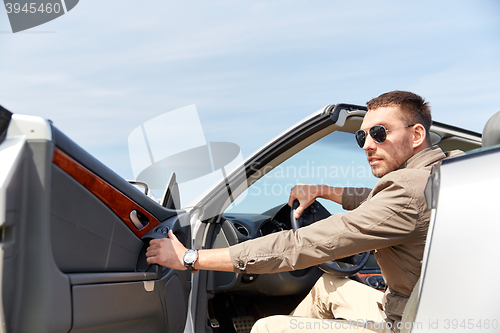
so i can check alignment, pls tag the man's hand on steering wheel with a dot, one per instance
(305, 194)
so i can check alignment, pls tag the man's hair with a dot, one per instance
(414, 108)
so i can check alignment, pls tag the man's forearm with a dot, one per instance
(169, 252)
(214, 260)
(331, 193)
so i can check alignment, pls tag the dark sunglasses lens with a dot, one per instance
(378, 133)
(360, 138)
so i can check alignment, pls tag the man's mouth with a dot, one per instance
(374, 161)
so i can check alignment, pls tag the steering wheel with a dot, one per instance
(353, 264)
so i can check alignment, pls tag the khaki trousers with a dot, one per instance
(333, 304)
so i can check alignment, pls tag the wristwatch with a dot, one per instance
(189, 259)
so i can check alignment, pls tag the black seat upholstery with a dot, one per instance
(491, 131)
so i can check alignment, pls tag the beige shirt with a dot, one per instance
(391, 219)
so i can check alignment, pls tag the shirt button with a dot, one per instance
(241, 264)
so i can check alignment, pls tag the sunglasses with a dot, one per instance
(377, 132)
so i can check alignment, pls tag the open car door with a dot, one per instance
(74, 236)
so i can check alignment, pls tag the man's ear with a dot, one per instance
(419, 136)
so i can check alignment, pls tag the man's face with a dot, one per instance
(396, 149)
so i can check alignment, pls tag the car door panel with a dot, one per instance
(99, 170)
(36, 294)
(74, 261)
(131, 307)
(117, 307)
(116, 201)
(99, 231)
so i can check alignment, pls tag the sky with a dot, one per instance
(251, 68)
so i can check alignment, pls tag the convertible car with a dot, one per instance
(74, 233)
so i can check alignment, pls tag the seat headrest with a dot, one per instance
(491, 131)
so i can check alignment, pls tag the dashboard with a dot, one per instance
(251, 226)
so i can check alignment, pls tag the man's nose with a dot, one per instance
(370, 144)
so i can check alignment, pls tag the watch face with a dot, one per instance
(190, 257)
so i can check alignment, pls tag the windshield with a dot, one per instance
(334, 160)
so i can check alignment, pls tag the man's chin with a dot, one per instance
(378, 172)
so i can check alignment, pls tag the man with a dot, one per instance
(391, 219)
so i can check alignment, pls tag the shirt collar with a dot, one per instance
(424, 158)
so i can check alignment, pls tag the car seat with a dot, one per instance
(491, 131)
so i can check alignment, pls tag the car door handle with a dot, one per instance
(138, 219)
